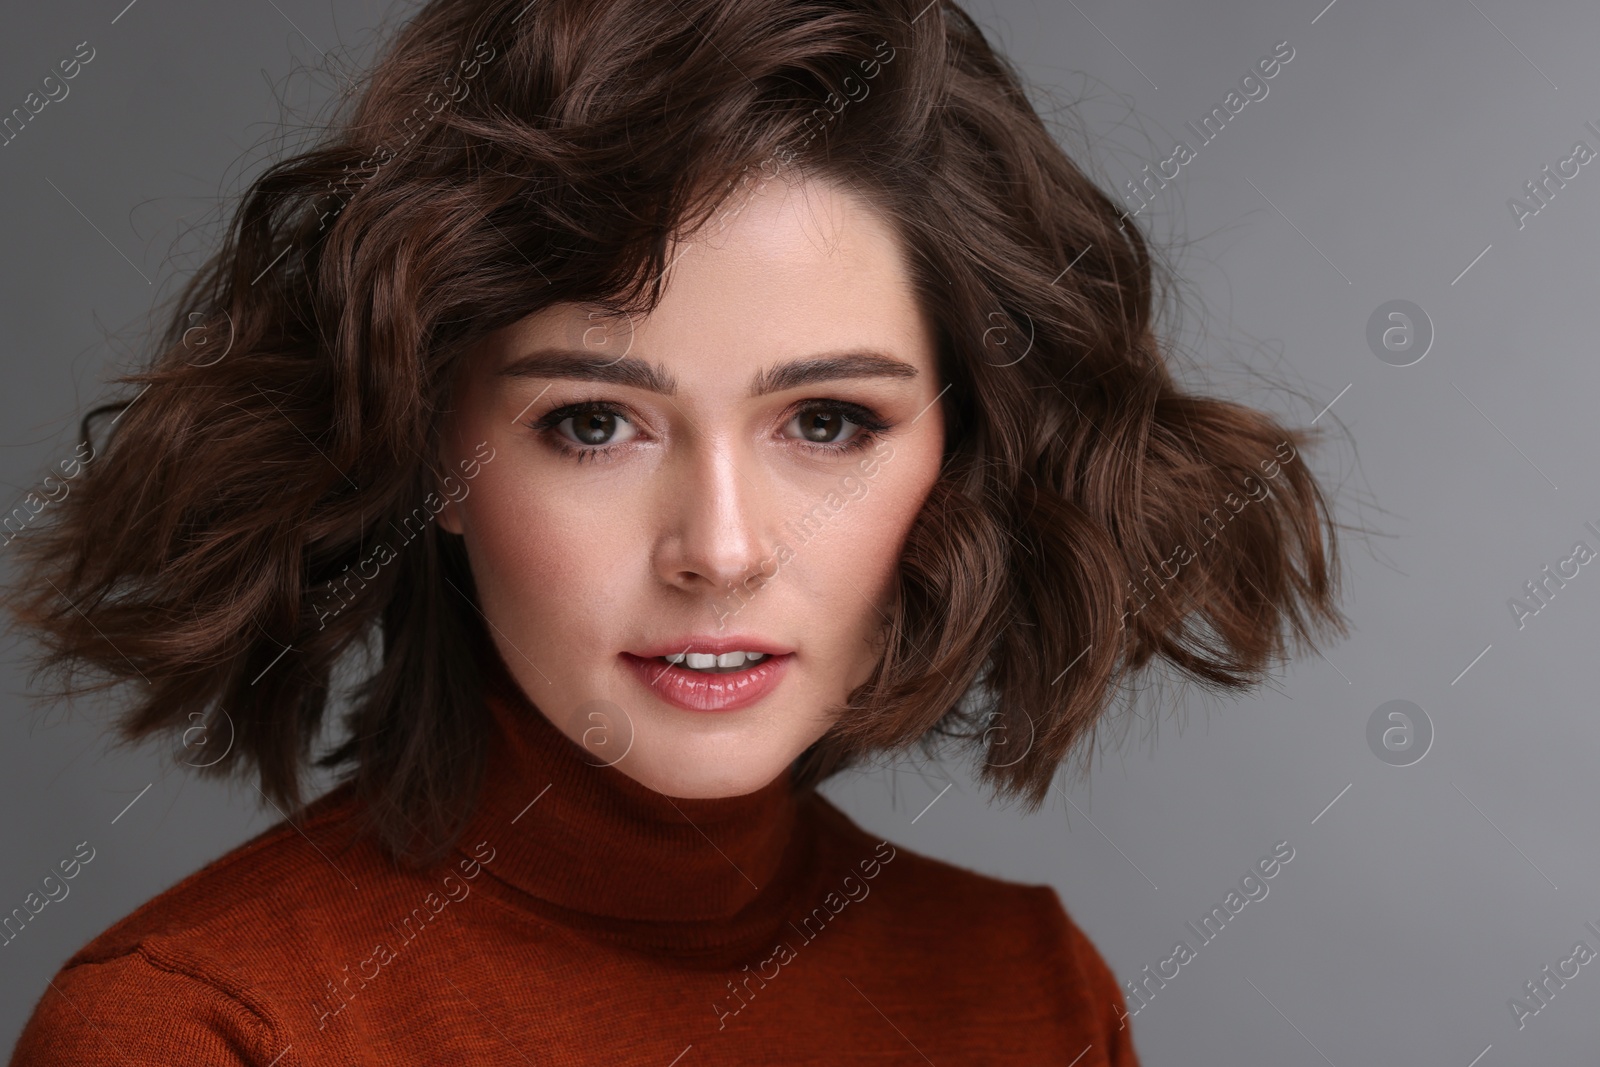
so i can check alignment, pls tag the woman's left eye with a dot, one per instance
(822, 423)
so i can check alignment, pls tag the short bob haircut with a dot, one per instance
(505, 155)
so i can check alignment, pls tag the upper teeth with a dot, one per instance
(702, 660)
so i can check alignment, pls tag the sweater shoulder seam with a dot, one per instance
(264, 1031)
(235, 990)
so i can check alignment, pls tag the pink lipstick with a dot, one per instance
(695, 690)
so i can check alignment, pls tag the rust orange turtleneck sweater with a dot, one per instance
(586, 919)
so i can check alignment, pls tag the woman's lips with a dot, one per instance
(698, 691)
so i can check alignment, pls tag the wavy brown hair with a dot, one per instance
(505, 155)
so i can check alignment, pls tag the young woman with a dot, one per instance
(663, 406)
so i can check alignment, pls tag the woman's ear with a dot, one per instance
(459, 461)
(454, 490)
(449, 518)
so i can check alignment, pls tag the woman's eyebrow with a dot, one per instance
(641, 374)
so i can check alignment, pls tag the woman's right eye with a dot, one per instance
(594, 430)
(595, 427)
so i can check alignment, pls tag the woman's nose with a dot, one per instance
(715, 518)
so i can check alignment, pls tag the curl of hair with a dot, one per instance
(504, 156)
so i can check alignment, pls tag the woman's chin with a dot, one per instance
(702, 777)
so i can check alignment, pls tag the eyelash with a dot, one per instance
(870, 427)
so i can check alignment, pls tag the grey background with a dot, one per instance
(1381, 162)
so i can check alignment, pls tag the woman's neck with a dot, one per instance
(590, 847)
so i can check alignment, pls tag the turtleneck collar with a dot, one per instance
(587, 846)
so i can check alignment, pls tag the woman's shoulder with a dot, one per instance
(932, 885)
(281, 870)
(181, 974)
(987, 928)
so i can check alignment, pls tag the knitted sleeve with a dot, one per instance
(129, 1009)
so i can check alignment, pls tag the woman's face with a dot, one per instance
(735, 472)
